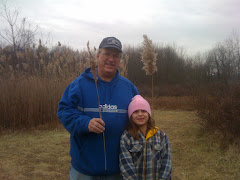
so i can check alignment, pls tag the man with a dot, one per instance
(94, 142)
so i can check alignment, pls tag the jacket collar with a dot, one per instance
(151, 132)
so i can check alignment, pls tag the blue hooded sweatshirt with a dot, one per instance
(79, 104)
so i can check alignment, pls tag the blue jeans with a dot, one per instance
(75, 175)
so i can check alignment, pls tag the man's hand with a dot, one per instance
(96, 125)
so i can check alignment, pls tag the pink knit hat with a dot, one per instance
(138, 103)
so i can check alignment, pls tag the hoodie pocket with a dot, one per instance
(81, 142)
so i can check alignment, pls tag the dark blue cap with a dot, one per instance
(111, 42)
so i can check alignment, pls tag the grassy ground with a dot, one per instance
(44, 154)
(35, 155)
(195, 154)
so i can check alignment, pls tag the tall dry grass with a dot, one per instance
(29, 102)
(58, 62)
(32, 81)
(124, 66)
(185, 103)
(149, 59)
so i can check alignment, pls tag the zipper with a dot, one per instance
(153, 151)
(105, 154)
(145, 158)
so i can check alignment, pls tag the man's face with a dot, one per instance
(108, 62)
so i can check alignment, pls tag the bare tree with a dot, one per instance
(224, 60)
(19, 32)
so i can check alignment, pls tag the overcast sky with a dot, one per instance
(195, 25)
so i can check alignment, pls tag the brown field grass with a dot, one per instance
(34, 155)
(172, 102)
(196, 155)
(29, 102)
(44, 154)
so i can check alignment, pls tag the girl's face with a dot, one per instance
(140, 118)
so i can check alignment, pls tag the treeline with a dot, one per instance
(181, 73)
(219, 67)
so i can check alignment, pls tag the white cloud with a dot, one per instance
(195, 25)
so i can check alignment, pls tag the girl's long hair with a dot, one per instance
(134, 130)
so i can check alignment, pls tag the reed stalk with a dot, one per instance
(149, 58)
(124, 66)
(94, 72)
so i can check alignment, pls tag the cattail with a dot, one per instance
(19, 55)
(9, 57)
(3, 58)
(94, 72)
(8, 49)
(149, 58)
(93, 63)
(123, 67)
(1, 68)
(25, 66)
(42, 61)
(10, 67)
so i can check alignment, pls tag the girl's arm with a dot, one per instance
(126, 165)
(166, 160)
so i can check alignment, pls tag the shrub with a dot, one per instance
(221, 113)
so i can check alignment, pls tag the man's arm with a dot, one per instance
(72, 118)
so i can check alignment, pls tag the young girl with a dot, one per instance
(144, 149)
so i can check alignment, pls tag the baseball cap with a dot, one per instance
(111, 42)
